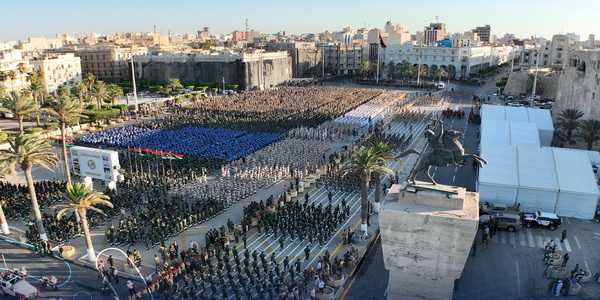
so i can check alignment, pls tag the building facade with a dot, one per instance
(579, 84)
(344, 59)
(484, 33)
(58, 69)
(249, 70)
(108, 63)
(13, 70)
(306, 57)
(433, 33)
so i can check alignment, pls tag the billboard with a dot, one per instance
(95, 163)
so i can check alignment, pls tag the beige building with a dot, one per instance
(345, 59)
(40, 43)
(433, 33)
(58, 69)
(108, 63)
(426, 237)
(13, 70)
(579, 84)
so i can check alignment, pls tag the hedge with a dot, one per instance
(103, 114)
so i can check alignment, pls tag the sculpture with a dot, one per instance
(443, 149)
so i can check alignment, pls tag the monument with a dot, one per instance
(427, 229)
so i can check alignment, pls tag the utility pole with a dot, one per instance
(377, 79)
(134, 87)
(537, 64)
(323, 62)
(419, 63)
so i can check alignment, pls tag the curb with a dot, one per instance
(341, 293)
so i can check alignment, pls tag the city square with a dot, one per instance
(453, 160)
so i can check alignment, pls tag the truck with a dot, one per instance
(542, 219)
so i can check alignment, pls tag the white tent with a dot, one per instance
(523, 133)
(493, 112)
(499, 178)
(516, 114)
(538, 185)
(578, 195)
(543, 121)
(494, 133)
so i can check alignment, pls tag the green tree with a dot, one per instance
(403, 68)
(100, 93)
(391, 70)
(365, 68)
(81, 199)
(21, 105)
(68, 112)
(114, 92)
(439, 73)
(589, 131)
(174, 87)
(387, 153)
(365, 160)
(27, 151)
(88, 81)
(38, 90)
(4, 169)
(568, 121)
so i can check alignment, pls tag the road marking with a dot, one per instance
(577, 242)
(558, 246)
(568, 222)
(518, 279)
(522, 241)
(530, 239)
(587, 266)
(512, 239)
(568, 246)
(453, 178)
(540, 242)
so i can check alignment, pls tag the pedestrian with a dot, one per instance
(110, 260)
(563, 235)
(245, 240)
(281, 243)
(131, 288)
(474, 248)
(157, 262)
(115, 274)
(574, 271)
(565, 259)
(306, 253)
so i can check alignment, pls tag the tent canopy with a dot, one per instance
(574, 172)
(501, 167)
(536, 168)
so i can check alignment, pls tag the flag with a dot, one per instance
(381, 41)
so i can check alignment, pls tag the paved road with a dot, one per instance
(74, 282)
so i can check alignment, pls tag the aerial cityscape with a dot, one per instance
(312, 150)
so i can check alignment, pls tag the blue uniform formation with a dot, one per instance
(209, 143)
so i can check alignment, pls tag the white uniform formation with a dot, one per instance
(374, 110)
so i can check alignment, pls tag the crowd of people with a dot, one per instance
(274, 110)
(16, 202)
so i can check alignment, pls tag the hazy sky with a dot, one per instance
(23, 18)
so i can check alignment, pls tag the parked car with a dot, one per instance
(14, 285)
(494, 209)
(508, 221)
(542, 219)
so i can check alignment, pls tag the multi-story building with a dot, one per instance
(239, 36)
(484, 33)
(395, 34)
(433, 33)
(203, 35)
(553, 54)
(459, 62)
(108, 62)
(13, 70)
(58, 69)
(39, 43)
(345, 59)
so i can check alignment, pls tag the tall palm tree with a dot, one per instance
(99, 93)
(36, 86)
(21, 105)
(27, 151)
(589, 131)
(568, 120)
(387, 153)
(79, 90)
(88, 80)
(81, 199)
(364, 161)
(68, 112)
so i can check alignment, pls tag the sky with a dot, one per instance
(23, 18)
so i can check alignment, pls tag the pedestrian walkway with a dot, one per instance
(532, 238)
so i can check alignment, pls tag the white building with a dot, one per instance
(13, 70)
(58, 69)
(460, 62)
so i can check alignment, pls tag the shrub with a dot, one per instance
(34, 130)
(3, 136)
(121, 107)
(102, 114)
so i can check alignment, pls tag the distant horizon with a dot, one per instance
(48, 18)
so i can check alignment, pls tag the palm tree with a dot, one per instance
(36, 86)
(174, 86)
(114, 91)
(88, 80)
(590, 132)
(22, 67)
(21, 105)
(27, 151)
(99, 93)
(568, 120)
(391, 70)
(365, 160)
(68, 112)
(81, 199)
(439, 73)
(387, 153)
(79, 89)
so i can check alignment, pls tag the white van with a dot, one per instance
(440, 85)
